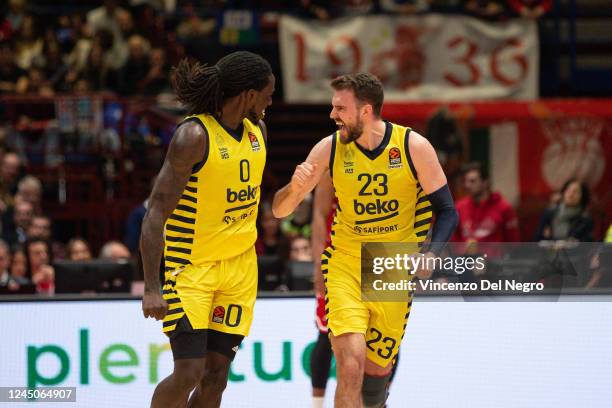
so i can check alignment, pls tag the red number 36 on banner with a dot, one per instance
(465, 60)
(428, 58)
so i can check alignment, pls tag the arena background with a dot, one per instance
(86, 108)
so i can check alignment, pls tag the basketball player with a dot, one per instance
(202, 213)
(323, 212)
(388, 182)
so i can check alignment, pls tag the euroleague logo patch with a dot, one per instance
(395, 158)
(254, 142)
(218, 314)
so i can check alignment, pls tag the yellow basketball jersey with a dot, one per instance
(215, 217)
(379, 196)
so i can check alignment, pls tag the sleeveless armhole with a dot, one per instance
(264, 134)
(198, 166)
(331, 155)
(408, 157)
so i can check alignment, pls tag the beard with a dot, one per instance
(352, 133)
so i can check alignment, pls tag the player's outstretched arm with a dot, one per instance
(186, 149)
(321, 207)
(304, 179)
(433, 180)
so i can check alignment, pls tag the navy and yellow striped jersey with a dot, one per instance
(379, 196)
(215, 217)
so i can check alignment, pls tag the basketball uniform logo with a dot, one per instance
(218, 314)
(349, 162)
(254, 142)
(395, 158)
(223, 151)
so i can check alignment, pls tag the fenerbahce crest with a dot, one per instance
(349, 157)
(395, 158)
(223, 152)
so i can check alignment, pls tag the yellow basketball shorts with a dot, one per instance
(382, 323)
(218, 295)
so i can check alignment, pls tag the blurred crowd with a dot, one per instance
(492, 10)
(108, 48)
(564, 251)
(28, 247)
(128, 47)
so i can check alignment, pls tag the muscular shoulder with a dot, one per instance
(324, 145)
(190, 133)
(418, 144)
(188, 143)
(321, 152)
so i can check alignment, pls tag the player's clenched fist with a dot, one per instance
(303, 175)
(154, 305)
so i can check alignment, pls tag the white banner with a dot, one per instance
(427, 57)
(454, 354)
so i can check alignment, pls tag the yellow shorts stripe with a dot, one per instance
(175, 308)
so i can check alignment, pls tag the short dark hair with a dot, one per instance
(475, 166)
(203, 88)
(585, 194)
(70, 245)
(366, 87)
(26, 250)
